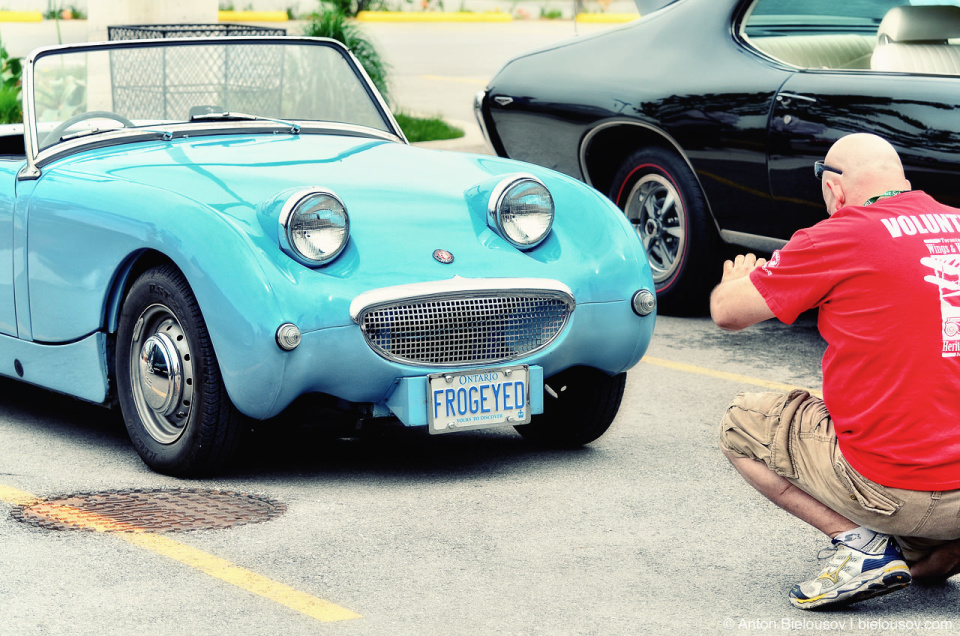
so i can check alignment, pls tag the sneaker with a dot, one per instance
(853, 575)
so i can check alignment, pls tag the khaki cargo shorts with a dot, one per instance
(793, 435)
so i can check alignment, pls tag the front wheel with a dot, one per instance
(174, 404)
(661, 197)
(578, 407)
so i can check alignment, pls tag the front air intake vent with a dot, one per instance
(467, 328)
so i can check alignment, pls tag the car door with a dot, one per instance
(889, 67)
(918, 114)
(8, 309)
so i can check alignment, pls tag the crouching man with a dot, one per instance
(875, 465)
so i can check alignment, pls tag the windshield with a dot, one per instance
(129, 85)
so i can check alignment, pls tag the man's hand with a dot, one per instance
(736, 303)
(741, 266)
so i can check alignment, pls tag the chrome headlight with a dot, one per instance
(314, 226)
(521, 210)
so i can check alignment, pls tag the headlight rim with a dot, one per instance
(290, 206)
(498, 196)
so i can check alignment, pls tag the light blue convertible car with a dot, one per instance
(206, 230)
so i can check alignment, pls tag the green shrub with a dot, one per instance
(334, 25)
(10, 110)
(426, 128)
(11, 72)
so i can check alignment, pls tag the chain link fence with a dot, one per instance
(169, 83)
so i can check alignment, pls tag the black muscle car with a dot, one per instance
(702, 119)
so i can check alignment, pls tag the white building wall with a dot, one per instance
(299, 7)
(104, 13)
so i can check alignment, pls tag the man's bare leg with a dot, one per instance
(939, 565)
(789, 497)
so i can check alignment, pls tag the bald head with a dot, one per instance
(870, 165)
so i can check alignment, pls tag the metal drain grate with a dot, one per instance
(156, 510)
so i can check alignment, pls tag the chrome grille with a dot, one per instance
(465, 329)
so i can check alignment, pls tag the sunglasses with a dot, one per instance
(819, 168)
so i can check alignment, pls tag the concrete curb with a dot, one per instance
(607, 18)
(486, 16)
(252, 16)
(433, 16)
(21, 16)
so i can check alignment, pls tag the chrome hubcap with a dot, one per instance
(655, 209)
(161, 378)
(161, 370)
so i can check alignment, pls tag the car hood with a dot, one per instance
(404, 203)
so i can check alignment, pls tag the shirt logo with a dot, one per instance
(773, 262)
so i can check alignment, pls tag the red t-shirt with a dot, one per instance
(886, 278)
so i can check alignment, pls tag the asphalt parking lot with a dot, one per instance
(646, 531)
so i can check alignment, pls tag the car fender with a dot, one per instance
(222, 262)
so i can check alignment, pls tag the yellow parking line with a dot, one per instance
(250, 581)
(243, 578)
(724, 375)
(16, 497)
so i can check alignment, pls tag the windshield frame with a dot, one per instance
(38, 157)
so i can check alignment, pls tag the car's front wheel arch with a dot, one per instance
(123, 278)
(128, 272)
(170, 388)
(607, 146)
(663, 200)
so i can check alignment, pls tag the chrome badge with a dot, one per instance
(443, 256)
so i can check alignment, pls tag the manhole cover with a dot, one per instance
(158, 510)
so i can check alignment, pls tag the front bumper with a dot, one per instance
(339, 362)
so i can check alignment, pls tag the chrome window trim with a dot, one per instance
(478, 114)
(752, 241)
(183, 130)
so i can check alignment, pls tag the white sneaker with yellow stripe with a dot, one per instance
(853, 575)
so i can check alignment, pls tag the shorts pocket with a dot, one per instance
(871, 496)
(761, 426)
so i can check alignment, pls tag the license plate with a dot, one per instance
(470, 400)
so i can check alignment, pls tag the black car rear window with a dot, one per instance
(783, 17)
(843, 35)
(869, 9)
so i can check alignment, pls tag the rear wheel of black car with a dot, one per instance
(578, 407)
(174, 404)
(660, 195)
